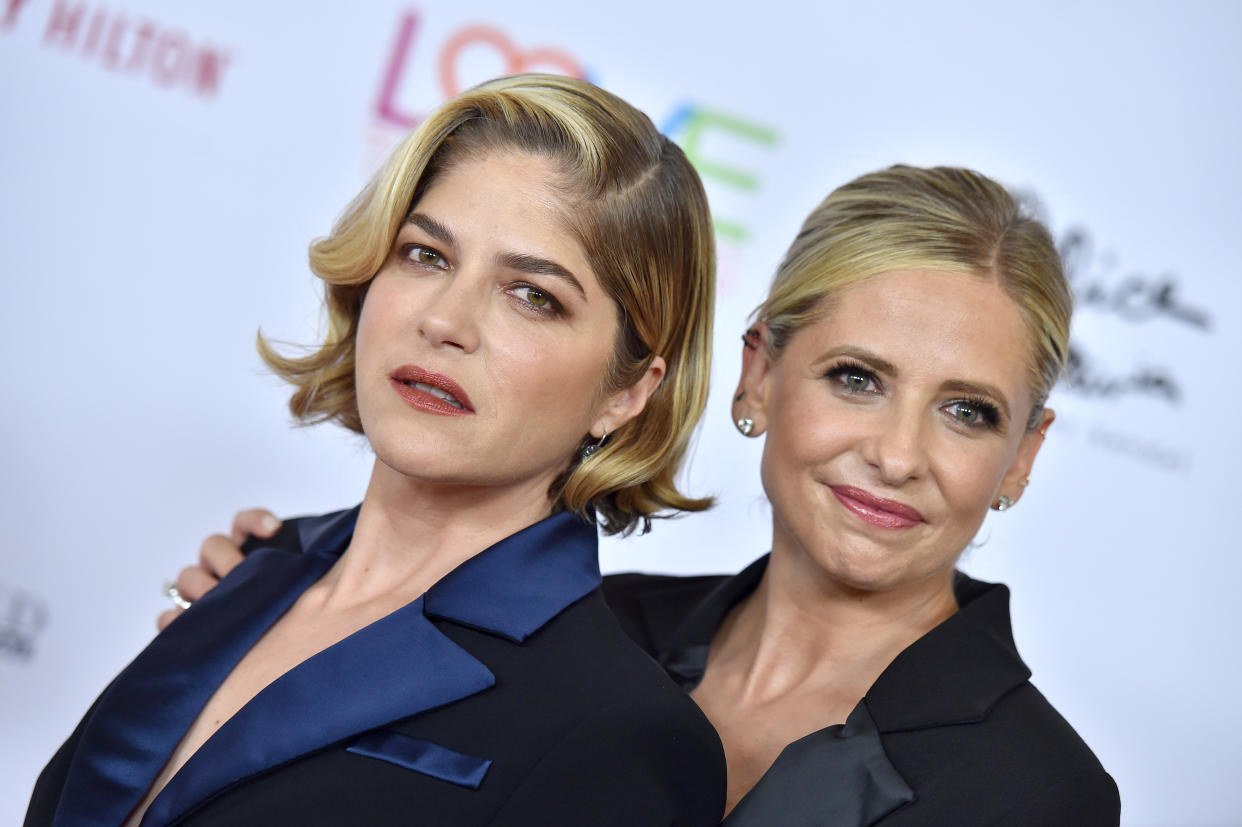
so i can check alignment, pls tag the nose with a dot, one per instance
(897, 447)
(450, 316)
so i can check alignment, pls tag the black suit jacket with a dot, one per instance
(952, 732)
(506, 695)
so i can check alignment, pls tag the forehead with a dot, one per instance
(932, 324)
(511, 199)
(511, 174)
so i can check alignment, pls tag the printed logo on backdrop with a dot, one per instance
(417, 76)
(135, 47)
(1132, 296)
(23, 616)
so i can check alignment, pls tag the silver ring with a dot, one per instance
(170, 589)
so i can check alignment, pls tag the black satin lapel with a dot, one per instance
(686, 665)
(144, 714)
(351, 687)
(683, 654)
(837, 776)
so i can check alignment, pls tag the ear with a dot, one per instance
(626, 404)
(750, 399)
(1014, 482)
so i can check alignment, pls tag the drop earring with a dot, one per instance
(591, 448)
(746, 425)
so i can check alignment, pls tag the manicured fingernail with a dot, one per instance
(270, 523)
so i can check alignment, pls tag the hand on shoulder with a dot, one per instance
(217, 556)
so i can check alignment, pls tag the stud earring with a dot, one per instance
(746, 425)
(594, 446)
(1003, 503)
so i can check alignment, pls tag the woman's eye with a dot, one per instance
(973, 414)
(965, 412)
(855, 380)
(425, 256)
(535, 297)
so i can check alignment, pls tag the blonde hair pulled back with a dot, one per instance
(939, 218)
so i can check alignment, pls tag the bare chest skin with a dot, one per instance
(306, 629)
(774, 674)
(754, 732)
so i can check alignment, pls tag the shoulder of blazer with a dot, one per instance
(48, 786)
(651, 606)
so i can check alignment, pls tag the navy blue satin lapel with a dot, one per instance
(838, 776)
(146, 712)
(514, 587)
(350, 687)
(328, 534)
(426, 757)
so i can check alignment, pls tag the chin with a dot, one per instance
(874, 571)
(867, 578)
(429, 463)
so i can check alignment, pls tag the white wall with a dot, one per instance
(165, 164)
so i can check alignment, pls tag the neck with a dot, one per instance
(410, 533)
(802, 630)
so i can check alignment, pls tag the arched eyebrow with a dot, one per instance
(868, 359)
(534, 265)
(433, 228)
(522, 262)
(981, 390)
(883, 366)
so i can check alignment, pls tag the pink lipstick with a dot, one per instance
(876, 511)
(429, 391)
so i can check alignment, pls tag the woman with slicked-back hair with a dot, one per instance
(442, 654)
(898, 371)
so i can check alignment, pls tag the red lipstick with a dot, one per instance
(876, 511)
(429, 391)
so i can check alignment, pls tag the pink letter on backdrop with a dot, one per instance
(387, 105)
(11, 8)
(63, 24)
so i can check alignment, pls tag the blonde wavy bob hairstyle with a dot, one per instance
(638, 209)
(940, 218)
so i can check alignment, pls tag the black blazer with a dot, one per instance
(506, 695)
(952, 732)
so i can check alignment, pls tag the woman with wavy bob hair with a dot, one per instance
(498, 328)
(650, 195)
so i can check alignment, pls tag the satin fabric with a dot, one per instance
(864, 785)
(423, 756)
(915, 692)
(511, 589)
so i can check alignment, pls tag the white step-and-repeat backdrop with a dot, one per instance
(165, 164)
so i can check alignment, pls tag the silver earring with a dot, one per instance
(1003, 503)
(746, 425)
(594, 446)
